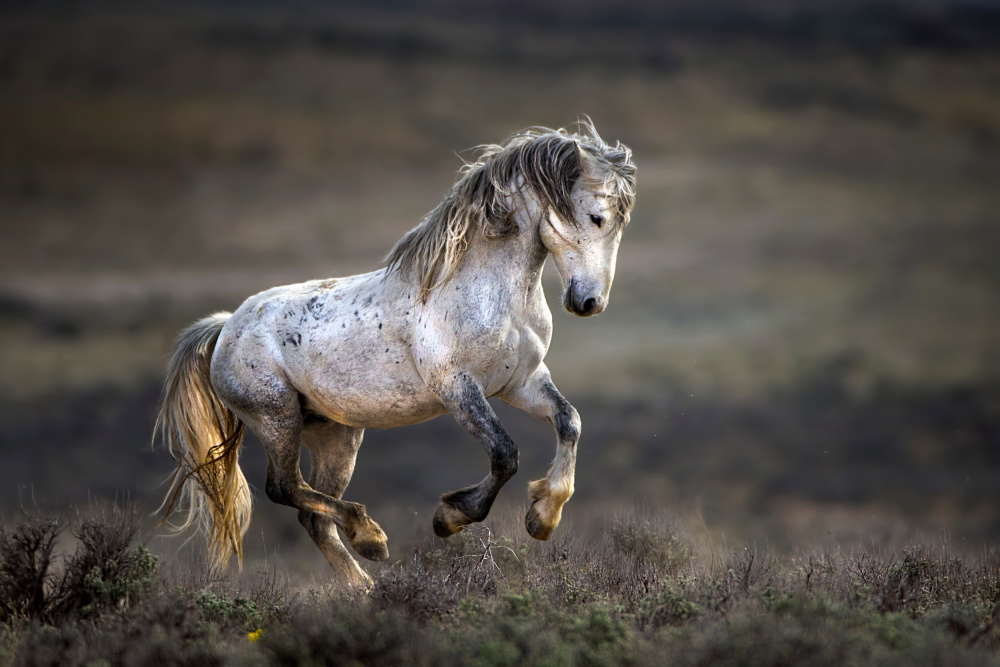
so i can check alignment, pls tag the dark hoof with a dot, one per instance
(377, 551)
(369, 541)
(449, 520)
(537, 528)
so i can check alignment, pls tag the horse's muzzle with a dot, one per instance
(582, 302)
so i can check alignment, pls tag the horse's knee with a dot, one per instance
(507, 465)
(568, 424)
(505, 460)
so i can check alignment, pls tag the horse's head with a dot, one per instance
(585, 247)
(575, 189)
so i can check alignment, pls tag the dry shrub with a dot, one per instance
(649, 540)
(632, 594)
(107, 570)
(25, 563)
(416, 590)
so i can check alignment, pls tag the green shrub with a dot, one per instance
(671, 606)
(238, 612)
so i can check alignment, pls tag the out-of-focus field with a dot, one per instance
(802, 339)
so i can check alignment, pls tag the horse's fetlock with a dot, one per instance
(537, 489)
(357, 511)
(478, 512)
(561, 492)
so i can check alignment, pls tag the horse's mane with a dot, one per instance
(546, 160)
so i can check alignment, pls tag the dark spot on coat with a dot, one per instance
(293, 338)
(379, 325)
(315, 307)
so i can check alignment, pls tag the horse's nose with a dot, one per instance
(579, 303)
(590, 306)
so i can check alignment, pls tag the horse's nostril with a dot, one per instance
(589, 305)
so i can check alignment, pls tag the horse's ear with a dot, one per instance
(588, 163)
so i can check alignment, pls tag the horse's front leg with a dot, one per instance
(539, 397)
(465, 399)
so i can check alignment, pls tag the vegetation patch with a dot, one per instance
(638, 593)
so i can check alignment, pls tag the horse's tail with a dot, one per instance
(204, 436)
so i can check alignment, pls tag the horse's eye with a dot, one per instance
(596, 219)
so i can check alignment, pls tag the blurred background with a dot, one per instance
(802, 341)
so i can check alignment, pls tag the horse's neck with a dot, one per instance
(516, 260)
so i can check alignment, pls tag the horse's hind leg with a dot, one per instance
(274, 414)
(333, 448)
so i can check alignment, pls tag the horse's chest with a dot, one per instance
(518, 355)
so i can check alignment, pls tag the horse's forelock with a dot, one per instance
(545, 160)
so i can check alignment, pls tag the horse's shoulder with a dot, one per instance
(538, 316)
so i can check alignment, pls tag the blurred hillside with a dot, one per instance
(803, 333)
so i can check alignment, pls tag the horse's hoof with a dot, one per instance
(537, 528)
(448, 520)
(371, 549)
(371, 542)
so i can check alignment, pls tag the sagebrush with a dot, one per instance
(637, 592)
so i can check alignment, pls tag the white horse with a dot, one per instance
(457, 316)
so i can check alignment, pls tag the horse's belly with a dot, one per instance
(373, 401)
(386, 412)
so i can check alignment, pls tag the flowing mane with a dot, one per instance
(545, 160)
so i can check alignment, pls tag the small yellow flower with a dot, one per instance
(255, 635)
